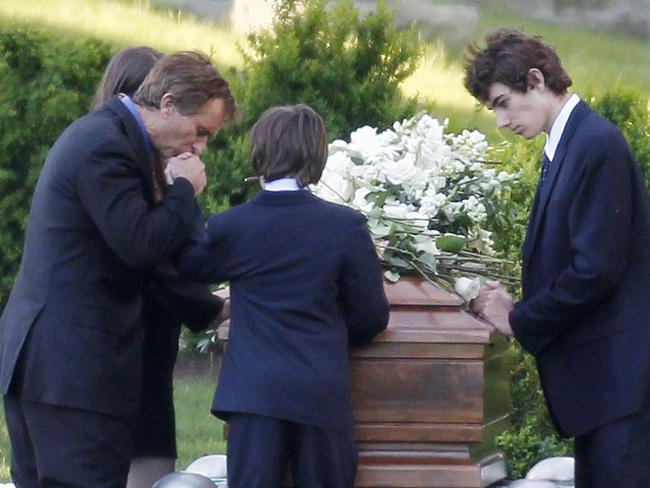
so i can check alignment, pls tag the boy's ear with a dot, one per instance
(535, 79)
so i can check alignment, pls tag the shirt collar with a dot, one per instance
(557, 129)
(131, 106)
(282, 184)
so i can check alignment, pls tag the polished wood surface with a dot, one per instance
(419, 393)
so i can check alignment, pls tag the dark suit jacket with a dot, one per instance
(305, 281)
(93, 234)
(585, 312)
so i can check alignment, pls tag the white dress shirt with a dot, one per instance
(558, 126)
(282, 184)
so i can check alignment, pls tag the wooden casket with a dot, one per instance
(429, 394)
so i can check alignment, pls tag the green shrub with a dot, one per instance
(509, 218)
(628, 109)
(347, 67)
(532, 436)
(45, 84)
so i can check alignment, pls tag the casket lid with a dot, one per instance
(423, 312)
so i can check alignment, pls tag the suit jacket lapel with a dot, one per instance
(134, 135)
(544, 191)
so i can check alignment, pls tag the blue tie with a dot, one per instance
(546, 164)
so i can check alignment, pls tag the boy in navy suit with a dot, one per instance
(585, 312)
(305, 282)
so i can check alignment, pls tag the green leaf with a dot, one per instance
(453, 244)
(428, 259)
(397, 261)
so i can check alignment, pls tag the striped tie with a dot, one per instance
(546, 164)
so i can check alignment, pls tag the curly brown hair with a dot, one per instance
(507, 58)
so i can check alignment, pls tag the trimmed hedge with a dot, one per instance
(45, 84)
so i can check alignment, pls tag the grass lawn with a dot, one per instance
(125, 24)
(197, 431)
(596, 61)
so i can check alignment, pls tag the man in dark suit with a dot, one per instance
(71, 335)
(585, 311)
(305, 282)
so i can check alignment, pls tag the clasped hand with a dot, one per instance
(494, 304)
(189, 166)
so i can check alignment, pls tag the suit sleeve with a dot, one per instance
(193, 304)
(205, 257)
(599, 225)
(111, 190)
(362, 286)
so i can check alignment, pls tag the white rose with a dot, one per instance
(396, 210)
(359, 201)
(365, 173)
(340, 163)
(400, 171)
(364, 136)
(334, 188)
(431, 128)
(427, 246)
(337, 145)
(431, 203)
(467, 288)
(366, 141)
(335, 184)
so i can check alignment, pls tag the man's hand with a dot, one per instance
(190, 167)
(494, 304)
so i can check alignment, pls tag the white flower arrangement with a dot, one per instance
(426, 194)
